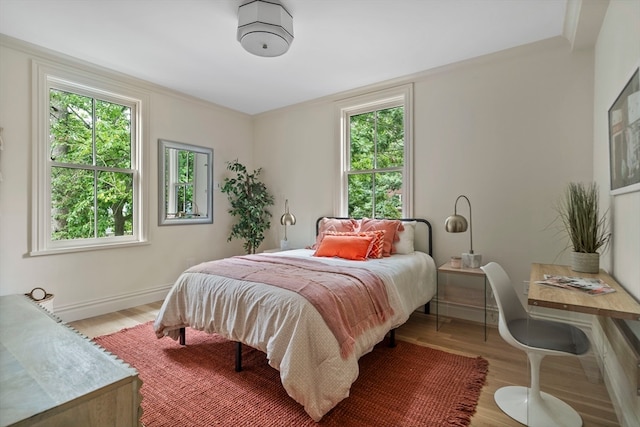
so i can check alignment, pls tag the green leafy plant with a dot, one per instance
(578, 211)
(249, 200)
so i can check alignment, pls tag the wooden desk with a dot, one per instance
(618, 304)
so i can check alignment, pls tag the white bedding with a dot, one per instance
(288, 328)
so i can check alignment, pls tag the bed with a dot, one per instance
(316, 355)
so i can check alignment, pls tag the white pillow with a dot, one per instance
(405, 244)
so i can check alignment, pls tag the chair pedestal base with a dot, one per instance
(543, 410)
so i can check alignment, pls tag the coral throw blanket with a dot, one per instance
(349, 299)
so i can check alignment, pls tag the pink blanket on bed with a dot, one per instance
(349, 299)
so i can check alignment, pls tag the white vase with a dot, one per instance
(585, 263)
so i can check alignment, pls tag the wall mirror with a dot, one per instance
(185, 183)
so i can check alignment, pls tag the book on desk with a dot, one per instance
(588, 285)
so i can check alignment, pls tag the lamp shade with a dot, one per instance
(265, 28)
(287, 218)
(456, 224)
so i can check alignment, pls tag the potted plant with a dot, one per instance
(587, 230)
(249, 200)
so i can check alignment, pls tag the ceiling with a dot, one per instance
(190, 45)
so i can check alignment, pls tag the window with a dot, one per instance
(376, 155)
(88, 168)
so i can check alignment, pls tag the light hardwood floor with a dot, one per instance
(563, 377)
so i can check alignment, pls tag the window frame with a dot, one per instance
(47, 76)
(388, 98)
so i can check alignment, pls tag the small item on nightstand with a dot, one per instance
(456, 262)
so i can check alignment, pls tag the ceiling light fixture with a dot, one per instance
(265, 28)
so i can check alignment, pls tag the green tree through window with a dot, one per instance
(91, 175)
(376, 163)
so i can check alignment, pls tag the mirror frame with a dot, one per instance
(163, 145)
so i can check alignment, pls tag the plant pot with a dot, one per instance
(585, 263)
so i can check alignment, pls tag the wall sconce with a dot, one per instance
(458, 224)
(286, 219)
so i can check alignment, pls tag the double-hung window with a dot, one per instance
(376, 142)
(87, 171)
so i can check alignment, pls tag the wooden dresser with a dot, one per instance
(51, 375)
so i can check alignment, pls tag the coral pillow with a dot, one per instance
(333, 224)
(391, 228)
(377, 244)
(348, 247)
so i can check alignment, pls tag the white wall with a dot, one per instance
(617, 54)
(508, 130)
(91, 283)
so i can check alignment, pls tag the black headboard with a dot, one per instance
(423, 239)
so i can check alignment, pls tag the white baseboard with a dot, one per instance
(86, 309)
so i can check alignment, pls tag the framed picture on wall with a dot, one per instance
(624, 138)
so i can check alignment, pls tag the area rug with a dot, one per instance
(196, 385)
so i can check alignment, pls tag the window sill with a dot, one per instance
(73, 249)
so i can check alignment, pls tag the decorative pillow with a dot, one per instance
(333, 224)
(405, 243)
(348, 247)
(391, 228)
(378, 244)
(378, 241)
